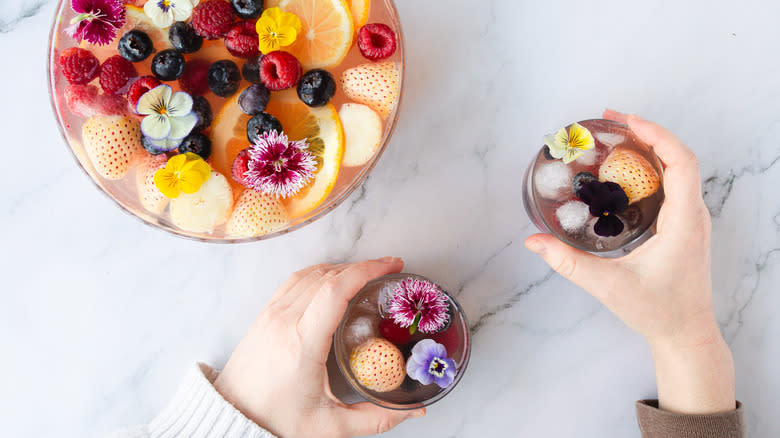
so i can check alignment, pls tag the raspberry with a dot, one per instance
(376, 41)
(79, 66)
(115, 74)
(112, 105)
(212, 19)
(240, 167)
(139, 88)
(279, 70)
(194, 80)
(242, 40)
(81, 99)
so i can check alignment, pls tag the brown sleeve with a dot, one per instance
(656, 423)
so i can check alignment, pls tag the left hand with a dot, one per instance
(277, 375)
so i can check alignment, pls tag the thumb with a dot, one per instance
(366, 418)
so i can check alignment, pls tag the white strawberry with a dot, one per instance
(631, 171)
(375, 85)
(112, 143)
(206, 209)
(256, 214)
(378, 365)
(151, 197)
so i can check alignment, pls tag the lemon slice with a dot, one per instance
(326, 31)
(359, 10)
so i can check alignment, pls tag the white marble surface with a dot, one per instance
(101, 314)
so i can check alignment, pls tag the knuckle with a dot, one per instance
(383, 425)
(320, 270)
(566, 266)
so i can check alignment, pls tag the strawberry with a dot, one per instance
(151, 197)
(375, 85)
(206, 209)
(393, 332)
(256, 214)
(631, 171)
(112, 144)
(378, 365)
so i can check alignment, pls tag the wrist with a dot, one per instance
(701, 330)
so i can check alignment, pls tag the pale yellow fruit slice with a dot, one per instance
(206, 209)
(362, 133)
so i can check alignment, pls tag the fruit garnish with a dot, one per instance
(151, 198)
(97, 20)
(277, 29)
(168, 65)
(202, 109)
(194, 80)
(116, 74)
(375, 85)
(140, 87)
(362, 133)
(81, 99)
(580, 179)
(249, 9)
(182, 173)
(632, 172)
(261, 124)
(224, 78)
(206, 209)
(360, 9)
(429, 364)
(256, 214)
(79, 66)
(326, 31)
(241, 40)
(251, 69)
(197, 143)
(212, 19)
(419, 304)
(279, 70)
(569, 144)
(112, 105)
(605, 201)
(393, 332)
(135, 46)
(279, 167)
(376, 41)
(112, 143)
(151, 147)
(316, 87)
(240, 167)
(377, 365)
(164, 12)
(254, 99)
(184, 38)
(169, 117)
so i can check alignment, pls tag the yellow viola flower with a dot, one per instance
(570, 145)
(182, 173)
(277, 29)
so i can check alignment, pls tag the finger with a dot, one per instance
(306, 282)
(616, 116)
(293, 279)
(367, 418)
(327, 306)
(303, 299)
(599, 276)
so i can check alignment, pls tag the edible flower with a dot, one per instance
(419, 304)
(277, 29)
(606, 200)
(182, 173)
(278, 166)
(169, 117)
(429, 363)
(164, 12)
(97, 20)
(570, 144)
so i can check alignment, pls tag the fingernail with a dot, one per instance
(417, 414)
(535, 245)
(387, 259)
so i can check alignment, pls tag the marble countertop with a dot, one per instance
(102, 315)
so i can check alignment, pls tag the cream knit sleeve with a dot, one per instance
(198, 411)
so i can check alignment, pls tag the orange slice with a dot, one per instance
(228, 137)
(359, 10)
(326, 31)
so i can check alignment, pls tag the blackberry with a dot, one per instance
(316, 87)
(254, 99)
(224, 78)
(135, 46)
(259, 125)
(202, 109)
(197, 143)
(184, 38)
(168, 65)
(251, 69)
(250, 9)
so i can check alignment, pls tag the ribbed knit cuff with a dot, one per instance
(657, 423)
(199, 411)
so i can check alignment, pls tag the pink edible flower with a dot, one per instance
(278, 166)
(419, 304)
(97, 20)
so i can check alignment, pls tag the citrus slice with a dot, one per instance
(136, 19)
(326, 31)
(228, 137)
(359, 10)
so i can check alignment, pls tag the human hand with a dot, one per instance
(663, 289)
(277, 375)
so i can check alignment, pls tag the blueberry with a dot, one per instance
(197, 143)
(580, 179)
(184, 38)
(254, 99)
(248, 8)
(251, 69)
(202, 109)
(260, 124)
(546, 153)
(152, 149)
(135, 46)
(632, 216)
(316, 87)
(168, 65)
(223, 78)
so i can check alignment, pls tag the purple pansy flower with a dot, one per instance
(278, 166)
(606, 200)
(97, 20)
(419, 304)
(429, 363)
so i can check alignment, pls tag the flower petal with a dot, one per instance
(580, 137)
(608, 226)
(176, 163)
(182, 9)
(286, 36)
(557, 149)
(154, 99)
(190, 181)
(273, 14)
(182, 126)
(288, 19)
(165, 144)
(197, 164)
(180, 104)
(167, 182)
(159, 17)
(156, 127)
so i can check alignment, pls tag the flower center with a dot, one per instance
(279, 164)
(437, 367)
(165, 5)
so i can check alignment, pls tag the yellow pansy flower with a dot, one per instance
(182, 173)
(277, 29)
(570, 145)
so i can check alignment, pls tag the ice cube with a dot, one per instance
(589, 157)
(610, 139)
(358, 331)
(553, 181)
(573, 216)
